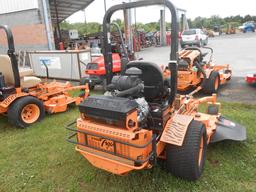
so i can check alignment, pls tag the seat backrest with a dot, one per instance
(6, 69)
(153, 79)
(25, 72)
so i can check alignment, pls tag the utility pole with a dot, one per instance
(57, 22)
(162, 28)
(126, 27)
(130, 29)
(105, 6)
(135, 18)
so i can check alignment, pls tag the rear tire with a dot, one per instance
(83, 81)
(187, 161)
(227, 71)
(26, 111)
(211, 85)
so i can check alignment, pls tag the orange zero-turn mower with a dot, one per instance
(193, 71)
(25, 98)
(141, 119)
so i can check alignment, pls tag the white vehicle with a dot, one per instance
(192, 37)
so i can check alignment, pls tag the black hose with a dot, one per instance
(131, 91)
(124, 51)
(210, 60)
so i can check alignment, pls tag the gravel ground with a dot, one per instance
(237, 50)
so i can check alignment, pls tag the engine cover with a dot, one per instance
(108, 108)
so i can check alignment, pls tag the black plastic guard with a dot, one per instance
(228, 130)
(107, 107)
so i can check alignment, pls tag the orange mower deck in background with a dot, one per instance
(141, 118)
(24, 98)
(194, 72)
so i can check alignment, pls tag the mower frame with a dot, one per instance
(106, 29)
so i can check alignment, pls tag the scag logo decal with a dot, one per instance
(107, 145)
(98, 142)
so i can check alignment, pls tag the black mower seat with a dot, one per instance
(153, 79)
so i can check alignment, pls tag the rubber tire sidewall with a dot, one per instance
(209, 84)
(182, 161)
(15, 109)
(83, 81)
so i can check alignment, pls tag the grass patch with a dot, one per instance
(39, 159)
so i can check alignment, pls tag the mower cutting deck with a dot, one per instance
(141, 119)
(24, 98)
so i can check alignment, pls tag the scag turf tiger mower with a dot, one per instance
(96, 69)
(25, 98)
(193, 71)
(141, 119)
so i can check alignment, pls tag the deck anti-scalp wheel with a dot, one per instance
(187, 161)
(26, 111)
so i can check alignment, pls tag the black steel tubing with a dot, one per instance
(125, 54)
(11, 54)
(106, 29)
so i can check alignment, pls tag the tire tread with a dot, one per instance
(182, 161)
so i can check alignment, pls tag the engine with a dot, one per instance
(128, 85)
(143, 109)
(123, 97)
(113, 125)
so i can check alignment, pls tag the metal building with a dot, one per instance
(34, 22)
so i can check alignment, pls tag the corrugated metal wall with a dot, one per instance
(9, 6)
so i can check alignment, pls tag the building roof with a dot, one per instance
(66, 8)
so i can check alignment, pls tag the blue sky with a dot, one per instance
(204, 8)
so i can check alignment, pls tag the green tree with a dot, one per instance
(65, 25)
(83, 29)
(120, 23)
(247, 18)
